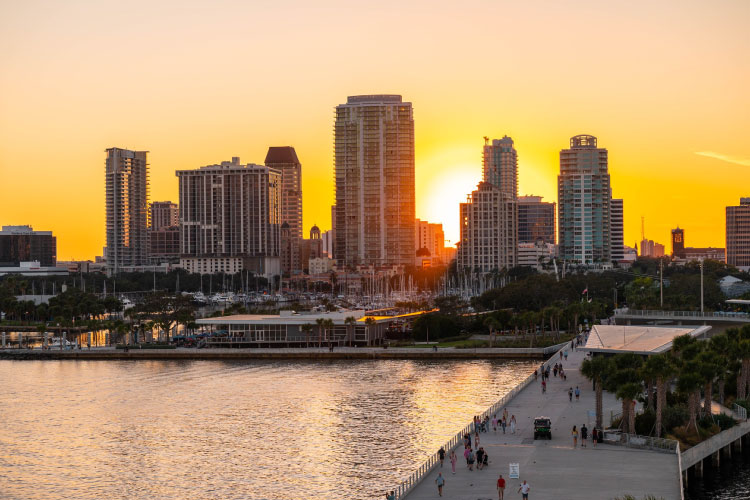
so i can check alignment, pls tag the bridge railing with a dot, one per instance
(641, 442)
(423, 470)
(682, 314)
(740, 411)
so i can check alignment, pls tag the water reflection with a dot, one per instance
(270, 430)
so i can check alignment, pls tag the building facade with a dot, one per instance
(536, 220)
(500, 165)
(536, 255)
(430, 242)
(678, 243)
(126, 179)
(650, 248)
(374, 174)
(738, 234)
(164, 214)
(23, 244)
(583, 196)
(230, 218)
(284, 159)
(617, 229)
(488, 230)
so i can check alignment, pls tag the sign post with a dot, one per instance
(514, 471)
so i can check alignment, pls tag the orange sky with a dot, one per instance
(199, 82)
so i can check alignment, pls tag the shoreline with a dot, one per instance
(108, 353)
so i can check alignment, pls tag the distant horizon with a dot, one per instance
(670, 105)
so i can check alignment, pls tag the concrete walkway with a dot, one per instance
(553, 468)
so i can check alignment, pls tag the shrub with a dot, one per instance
(674, 416)
(645, 422)
(724, 422)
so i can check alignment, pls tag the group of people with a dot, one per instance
(596, 436)
(503, 422)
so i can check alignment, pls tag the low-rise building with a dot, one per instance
(23, 244)
(320, 265)
(536, 255)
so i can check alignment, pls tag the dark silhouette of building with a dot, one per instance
(23, 244)
(678, 243)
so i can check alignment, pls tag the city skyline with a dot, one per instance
(666, 124)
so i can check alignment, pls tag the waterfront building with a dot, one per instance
(164, 244)
(284, 159)
(164, 214)
(583, 195)
(678, 243)
(430, 242)
(230, 218)
(23, 244)
(488, 230)
(536, 220)
(127, 182)
(500, 165)
(617, 230)
(738, 235)
(32, 269)
(288, 328)
(374, 175)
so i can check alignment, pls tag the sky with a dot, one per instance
(663, 85)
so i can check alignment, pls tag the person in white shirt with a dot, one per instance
(524, 490)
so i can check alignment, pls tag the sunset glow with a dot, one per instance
(664, 87)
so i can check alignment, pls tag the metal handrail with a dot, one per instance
(423, 470)
(638, 441)
(740, 411)
(682, 314)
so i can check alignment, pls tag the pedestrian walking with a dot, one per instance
(512, 424)
(535, 375)
(453, 459)
(561, 355)
(575, 437)
(485, 460)
(594, 436)
(480, 456)
(524, 490)
(566, 355)
(578, 393)
(440, 481)
(572, 346)
(504, 424)
(471, 459)
(466, 455)
(584, 435)
(500, 487)
(441, 454)
(390, 496)
(494, 423)
(476, 440)
(505, 414)
(544, 386)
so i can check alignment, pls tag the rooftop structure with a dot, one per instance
(647, 340)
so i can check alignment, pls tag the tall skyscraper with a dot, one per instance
(738, 234)
(536, 220)
(489, 218)
(617, 221)
(374, 171)
(126, 178)
(500, 165)
(583, 196)
(284, 159)
(164, 214)
(230, 218)
(430, 242)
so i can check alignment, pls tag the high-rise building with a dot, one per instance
(230, 218)
(23, 244)
(500, 165)
(678, 243)
(430, 243)
(616, 224)
(583, 196)
(126, 174)
(488, 230)
(489, 218)
(536, 220)
(164, 214)
(738, 234)
(650, 248)
(284, 159)
(374, 172)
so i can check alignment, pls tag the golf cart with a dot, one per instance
(542, 427)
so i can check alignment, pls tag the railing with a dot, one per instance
(740, 411)
(423, 470)
(682, 314)
(641, 442)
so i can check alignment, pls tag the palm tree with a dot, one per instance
(307, 328)
(369, 321)
(661, 368)
(708, 369)
(627, 393)
(722, 346)
(328, 326)
(689, 383)
(350, 322)
(320, 322)
(624, 379)
(595, 369)
(743, 353)
(494, 325)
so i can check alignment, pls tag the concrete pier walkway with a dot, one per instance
(553, 468)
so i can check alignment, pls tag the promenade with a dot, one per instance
(553, 468)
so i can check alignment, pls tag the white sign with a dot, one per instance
(514, 472)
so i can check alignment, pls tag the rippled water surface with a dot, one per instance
(215, 430)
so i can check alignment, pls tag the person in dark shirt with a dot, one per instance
(441, 454)
(480, 455)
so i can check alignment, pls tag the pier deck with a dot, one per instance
(553, 469)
